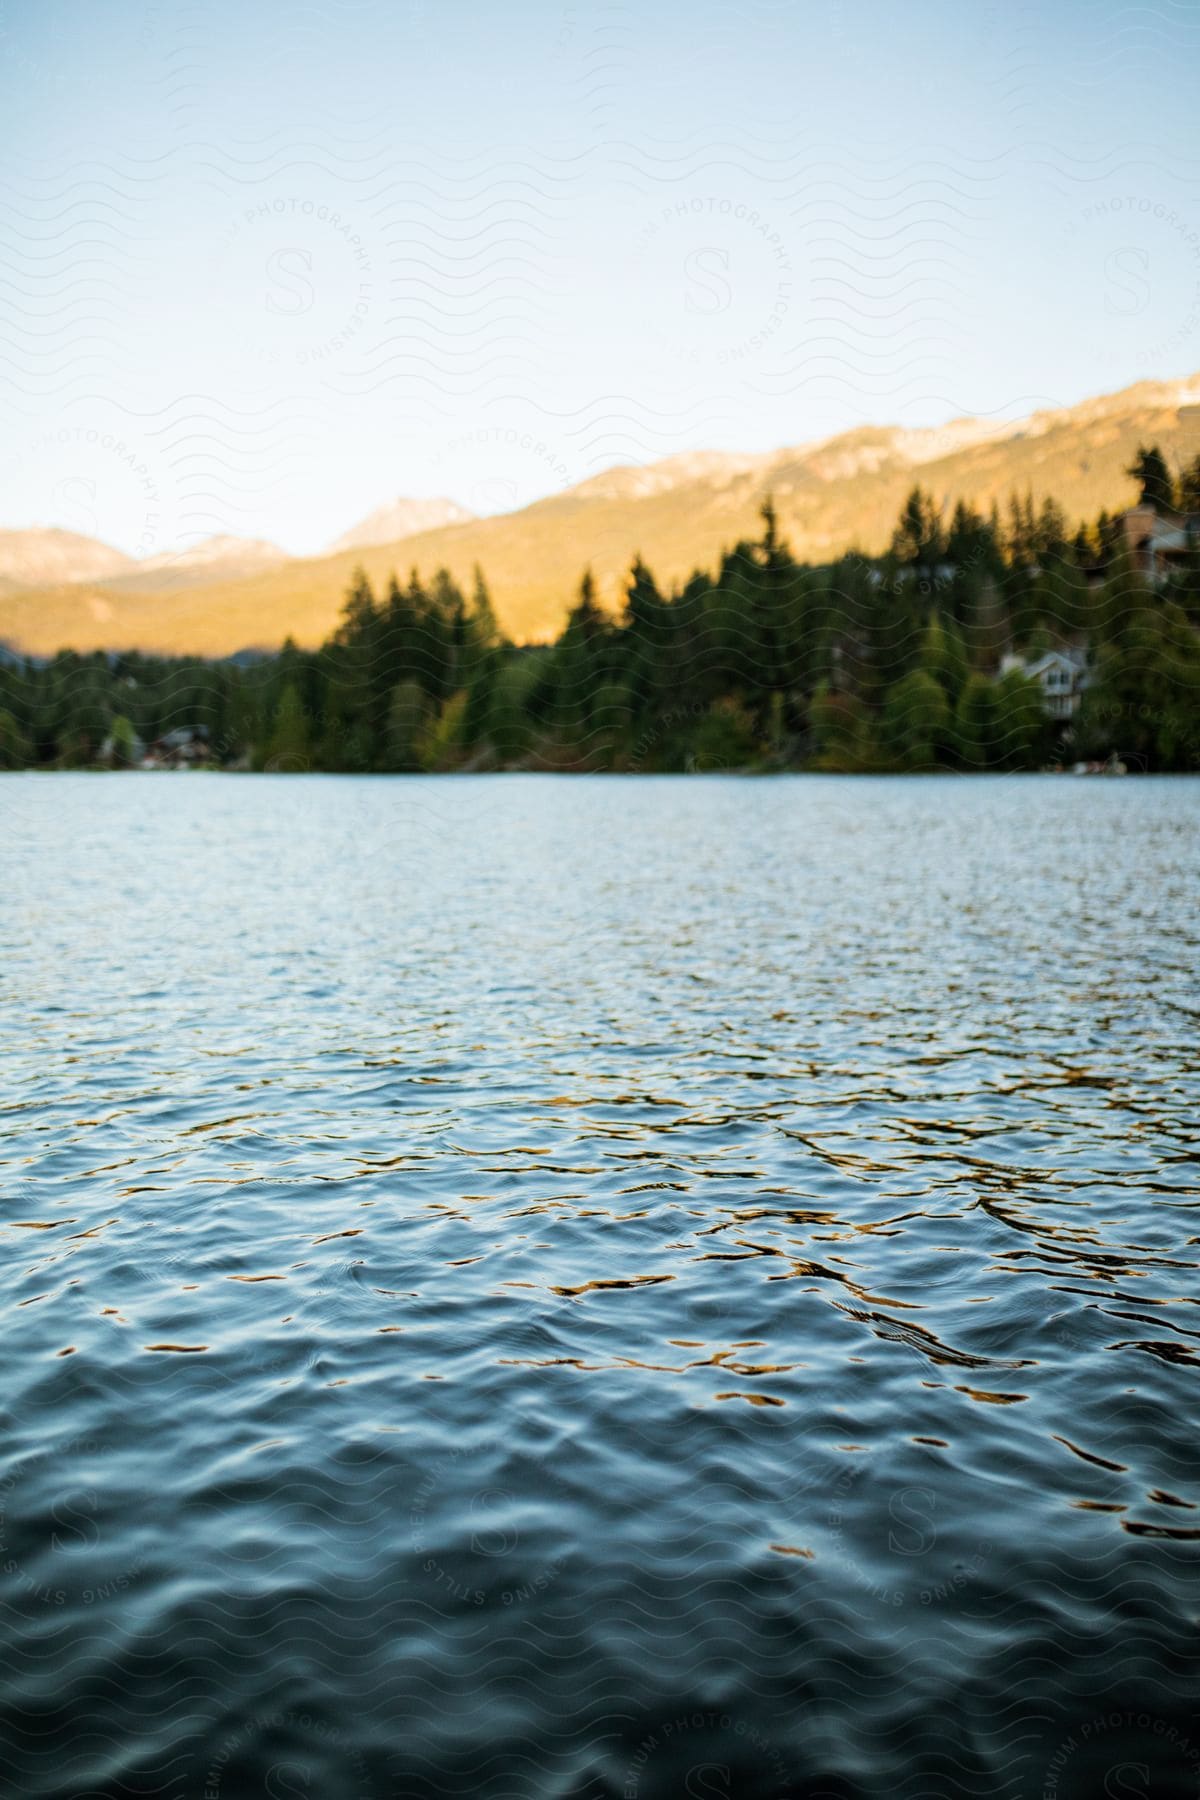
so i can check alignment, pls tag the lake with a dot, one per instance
(598, 1287)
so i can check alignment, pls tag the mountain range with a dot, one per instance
(401, 519)
(58, 589)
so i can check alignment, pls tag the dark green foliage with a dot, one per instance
(15, 748)
(1149, 469)
(916, 719)
(975, 723)
(1020, 729)
(1144, 705)
(864, 664)
(918, 540)
(287, 747)
(1189, 487)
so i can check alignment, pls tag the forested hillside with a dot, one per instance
(891, 662)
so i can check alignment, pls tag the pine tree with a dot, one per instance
(918, 540)
(842, 731)
(407, 722)
(646, 631)
(975, 722)
(16, 751)
(123, 737)
(1189, 487)
(482, 613)
(916, 719)
(944, 656)
(358, 610)
(586, 618)
(1149, 469)
(1019, 727)
(287, 752)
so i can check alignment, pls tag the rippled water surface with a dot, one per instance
(610, 1288)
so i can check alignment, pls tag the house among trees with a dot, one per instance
(974, 641)
(184, 747)
(1162, 532)
(1062, 675)
(122, 748)
(1160, 539)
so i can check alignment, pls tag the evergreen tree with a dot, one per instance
(409, 713)
(483, 613)
(1149, 469)
(865, 663)
(1143, 703)
(287, 752)
(16, 751)
(842, 731)
(975, 722)
(582, 663)
(1189, 487)
(647, 633)
(586, 619)
(122, 737)
(444, 739)
(918, 540)
(510, 723)
(944, 656)
(722, 738)
(915, 721)
(1018, 723)
(988, 629)
(358, 610)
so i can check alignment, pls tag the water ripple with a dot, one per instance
(599, 1288)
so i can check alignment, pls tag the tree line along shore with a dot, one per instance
(1003, 640)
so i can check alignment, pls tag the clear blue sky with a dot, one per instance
(265, 267)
